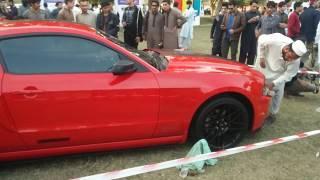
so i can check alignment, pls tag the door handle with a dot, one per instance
(31, 91)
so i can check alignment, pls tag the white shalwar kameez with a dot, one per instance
(186, 33)
(277, 70)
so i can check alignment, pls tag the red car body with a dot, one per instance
(63, 113)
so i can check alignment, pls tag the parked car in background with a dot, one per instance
(68, 88)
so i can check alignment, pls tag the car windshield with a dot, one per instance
(151, 57)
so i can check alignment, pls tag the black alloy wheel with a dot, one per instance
(223, 123)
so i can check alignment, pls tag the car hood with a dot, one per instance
(206, 64)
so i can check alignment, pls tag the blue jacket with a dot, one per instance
(309, 22)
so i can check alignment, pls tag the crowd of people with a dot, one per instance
(164, 27)
(232, 26)
(274, 26)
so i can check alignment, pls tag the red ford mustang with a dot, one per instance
(66, 88)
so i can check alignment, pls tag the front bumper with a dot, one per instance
(261, 111)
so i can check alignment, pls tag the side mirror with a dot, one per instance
(123, 67)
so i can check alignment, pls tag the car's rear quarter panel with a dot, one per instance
(9, 138)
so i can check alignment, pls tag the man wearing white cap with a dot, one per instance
(278, 58)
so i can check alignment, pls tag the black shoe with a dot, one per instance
(270, 119)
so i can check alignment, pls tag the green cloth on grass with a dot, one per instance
(201, 147)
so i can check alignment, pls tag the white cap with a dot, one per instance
(299, 48)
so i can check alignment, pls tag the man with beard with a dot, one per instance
(153, 26)
(278, 58)
(248, 46)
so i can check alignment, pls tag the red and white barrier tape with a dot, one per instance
(308, 72)
(173, 163)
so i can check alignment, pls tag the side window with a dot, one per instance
(56, 54)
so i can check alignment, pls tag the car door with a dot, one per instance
(60, 92)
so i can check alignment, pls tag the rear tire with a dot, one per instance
(222, 122)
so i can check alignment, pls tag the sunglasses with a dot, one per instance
(154, 5)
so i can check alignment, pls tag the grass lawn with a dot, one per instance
(294, 160)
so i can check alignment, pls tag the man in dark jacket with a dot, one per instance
(216, 33)
(132, 22)
(248, 49)
(232, 25)
(107, 21)
(309, 22)
(55, 12)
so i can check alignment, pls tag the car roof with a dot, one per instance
(42, 26)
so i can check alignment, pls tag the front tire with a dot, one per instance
(222, 122)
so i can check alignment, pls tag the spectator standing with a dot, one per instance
(248, 48)
(186, 33)
(233, 24)
(55, 12)
(309, 22)
(66, 13)
(173, 21)
(294, 22)
(34, 12)
(13, 10)
(269, 22)
(107, 21)
(153, 26)
(283, 18)
(278, 58)
(288, 6)
(10, 13)
(176, 7)
(4, 12)
(86, 16)
(132, 22)
(46, 9)
(216, 32)
(23, 8)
